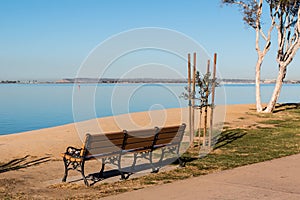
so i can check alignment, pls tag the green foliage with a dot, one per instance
(288, 6)
(204, 87)
(249, 10)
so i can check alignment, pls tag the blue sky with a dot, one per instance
(49, 39)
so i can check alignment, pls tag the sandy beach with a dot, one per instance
(40, 149)
(53, 141)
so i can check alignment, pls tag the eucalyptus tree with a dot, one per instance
(285, 18)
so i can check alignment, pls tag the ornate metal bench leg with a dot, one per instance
(66, 163)
(83, 176)
(162, 155)
(102, 169)
(181, 163)
(154, 169)
(134, 161)
(120, 170)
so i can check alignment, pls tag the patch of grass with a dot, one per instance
(261, 115)
(226, 127)
(296, 111)
(167, 181)
(121, 190)
(149, 182)
(272, 121)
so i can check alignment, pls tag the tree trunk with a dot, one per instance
(276, 92)
(257, 84)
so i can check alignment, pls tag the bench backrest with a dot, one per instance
(152, 138)
(103, 143)
(140, 139)
(170, 135)
(137, 140)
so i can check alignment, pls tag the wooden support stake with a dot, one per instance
(189, 97)
(213, 98)
(205, 109)
(199, 129)
(193, 96)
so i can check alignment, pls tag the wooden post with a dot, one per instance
(193, 96)
(189, 97)
(213, 98)
(199, 129)
(205, 109)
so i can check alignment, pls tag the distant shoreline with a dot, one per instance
(139, 80)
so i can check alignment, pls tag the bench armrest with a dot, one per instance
(74, 152)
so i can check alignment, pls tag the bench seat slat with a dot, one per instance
(169, 129)
(168, 135)
(142, 133)
(137, 150)
(108, 136)
(146, 144)
(139, 140)
(105, 143)
(168, 140)
(158, 146)
(71, 158)
(101, 155)
(101, 150)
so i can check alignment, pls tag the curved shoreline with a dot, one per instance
(52, 141)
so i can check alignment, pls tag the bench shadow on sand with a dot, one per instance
(127, 171)
(21, 163)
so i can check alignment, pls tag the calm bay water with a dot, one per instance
(35, 106)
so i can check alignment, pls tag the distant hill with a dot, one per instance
(154, 80)
(113, 80)
(138, 80)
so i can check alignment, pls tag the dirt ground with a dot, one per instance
(31, 167)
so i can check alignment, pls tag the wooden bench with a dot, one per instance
(111, 147)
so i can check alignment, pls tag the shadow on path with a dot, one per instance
(128, 171)
(21, 163)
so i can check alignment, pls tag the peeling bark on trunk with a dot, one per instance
(260, 54)
(276, 92)
(257, 85)
(287, 49)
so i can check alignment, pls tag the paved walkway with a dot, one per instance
(273, 180)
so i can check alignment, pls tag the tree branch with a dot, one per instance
(286, 58)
